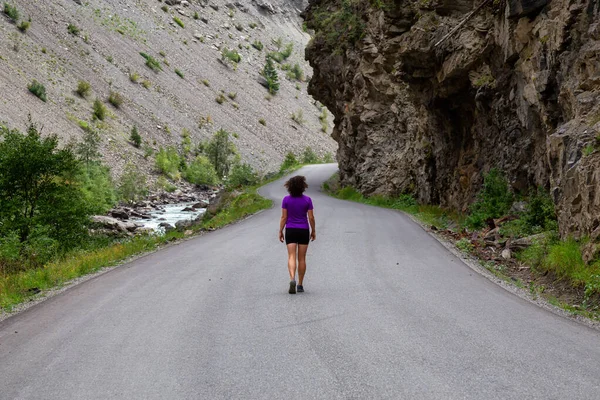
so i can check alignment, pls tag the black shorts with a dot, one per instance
(296, 235)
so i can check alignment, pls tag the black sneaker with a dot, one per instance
(292, 287)
(299, 289)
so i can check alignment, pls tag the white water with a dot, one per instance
(170, 213)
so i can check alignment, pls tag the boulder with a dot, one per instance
(202, 204)
(114, 224)
(166, 226)
(119, 213)
(183, 224)
(523, 243)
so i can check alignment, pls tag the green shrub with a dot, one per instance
(323, 119)
(287, 52)
(165, 8)
(339, 28)
(132, 184)
(290, 161)
(98, 189)
(179, 73)
(99, 110)
(232, 95)
(220, 98)
(38, 189)
(205, 82)
(186, 142)
(151, 62)
(465, 245)
(38, 89)
(564, 258)
(232, 55)
(24, 26)
(12, 12)
(296, 73)
(328, 158)
(201, 172)
(179, 22)
(83, 88)
(242, 175)
(73, 30)
(168, 162)
(310, 157)
(135, 137)
(115, 99)
(88, 150)
(220, 151)
(298, 117)
(262, 122)
(270, 74)
(493, 201)
(257, 44)
(164, 184)
(134, 77)
(196, 16)
(540, 214)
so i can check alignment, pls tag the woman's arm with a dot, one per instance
(311, 220)
(282, 223)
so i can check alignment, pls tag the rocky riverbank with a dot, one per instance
(161, 211)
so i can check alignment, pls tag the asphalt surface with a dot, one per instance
(388, 313)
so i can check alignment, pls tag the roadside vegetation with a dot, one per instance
(514, 236)
(46, 234)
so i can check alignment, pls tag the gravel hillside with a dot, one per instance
(104, 49)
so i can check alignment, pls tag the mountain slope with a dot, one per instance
(106, 52)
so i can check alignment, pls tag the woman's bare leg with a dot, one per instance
(292, 260)
(302, 248)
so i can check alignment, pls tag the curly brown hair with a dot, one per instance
(296, 185)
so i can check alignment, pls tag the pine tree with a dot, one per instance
(270, 74)
(135, 137)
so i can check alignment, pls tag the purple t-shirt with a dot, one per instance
(297, 208)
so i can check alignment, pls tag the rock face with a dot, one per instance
(515, 88)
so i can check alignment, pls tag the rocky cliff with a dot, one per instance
(417, 111)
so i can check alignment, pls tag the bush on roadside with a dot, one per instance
(493, 201)
(310, 157)
(242, 175)
(201, 172)
(290, 161)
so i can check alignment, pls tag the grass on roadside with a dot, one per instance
(429, 215)
(17, 288)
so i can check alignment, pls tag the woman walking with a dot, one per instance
(296, 213)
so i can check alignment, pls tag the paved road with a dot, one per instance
(388, 313)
